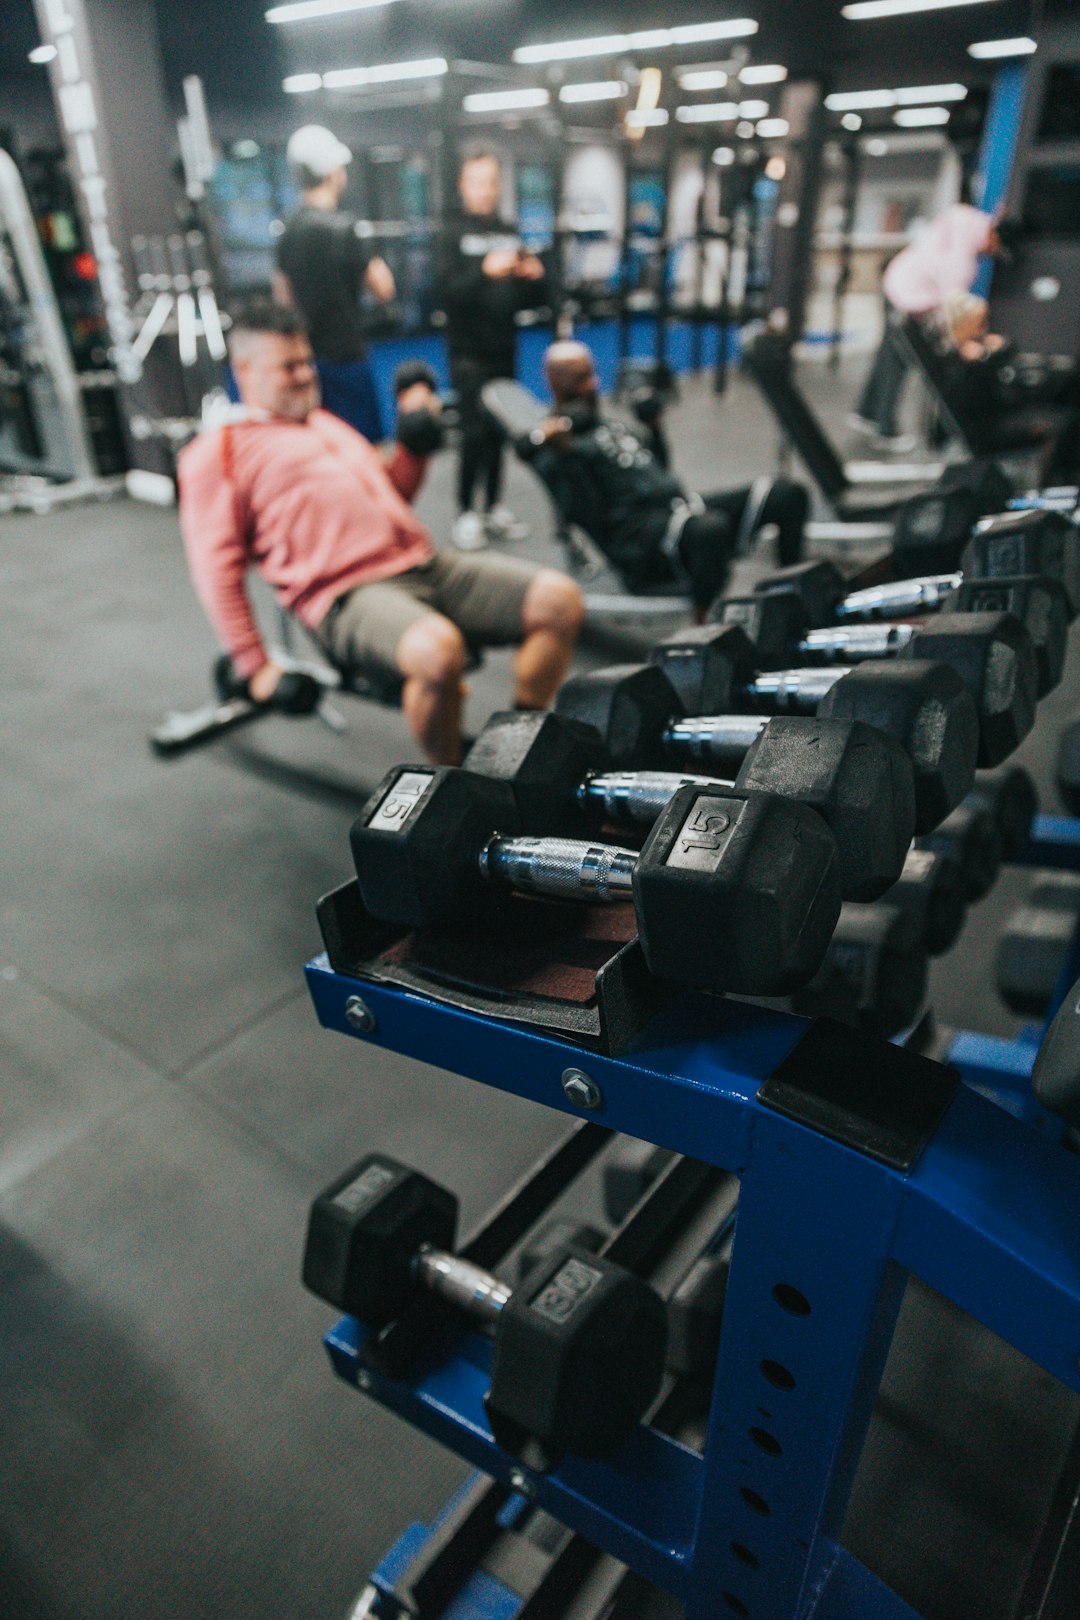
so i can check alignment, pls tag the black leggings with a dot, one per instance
(705, 549)
(787, 504)
(482, 439)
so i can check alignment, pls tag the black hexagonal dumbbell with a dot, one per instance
(732, 890)
(972, 837)
(579, 1345)
(858, 780)
(1010, 796)
(776, 622)
(991, 652)
(636, 708)
(1021, 543)
(932, 892)
(874, 974)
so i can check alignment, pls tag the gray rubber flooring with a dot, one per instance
(172, 1443)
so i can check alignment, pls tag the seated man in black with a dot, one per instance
(614, 482)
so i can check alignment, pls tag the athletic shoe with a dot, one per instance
(502, 524)
(891, 444)
(468, 532)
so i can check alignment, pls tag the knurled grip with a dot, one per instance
(561, 868)
(792, 691)
(715, 735)
(850, 643)
(903, 596)
(638, 796)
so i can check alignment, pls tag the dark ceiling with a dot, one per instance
(242, 58)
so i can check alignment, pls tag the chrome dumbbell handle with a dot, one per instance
(715, 736)
(903, 596)
(850, 644)
(468, 1287)
(561, 868)
(792, 691)
(639, 797)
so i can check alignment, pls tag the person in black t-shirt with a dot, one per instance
(486, 276)
(613, 481)
(323, 266)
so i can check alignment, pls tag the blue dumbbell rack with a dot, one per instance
(859, 1164)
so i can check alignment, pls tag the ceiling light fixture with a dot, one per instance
(776, 168)
(701, 78)
(744, 130)
(646, 118)
(859, 100)
(867, 10)
(913, 94)
(599, 90)
(985, 50)
(708, 112)
(877, 147)
(753, 109)
(851, 121)
(569, 50)
(724, 156)
(767, 73)
(909, 95)
(771, 129)
(920, 117)
(312, 10)
(298, 84)
(505, 100)
(425, 67)
(41, 54)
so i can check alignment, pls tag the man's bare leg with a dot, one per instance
(551, 620)
(431, 656)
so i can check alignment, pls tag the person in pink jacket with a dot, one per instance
(326, 519)
(920, 280)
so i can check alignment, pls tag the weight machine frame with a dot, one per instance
(894, 1167)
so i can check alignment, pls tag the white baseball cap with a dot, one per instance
(314, 148)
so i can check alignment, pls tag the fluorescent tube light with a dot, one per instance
(724, 156)
(851, 121)
(920, 117)
(859, 100)
(505, 100)
(599, 90)
(700, 33)
(867, 10)
(569, 50)
(701, 78)
(770, 128)
(914, 94)
(708, 112)
(312, 10)
(425, 67)
(985, 50)
(646, 118)
(297, 84)
(753, 109)
(767, 73)
(41, 54)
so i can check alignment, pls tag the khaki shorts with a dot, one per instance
(484, 596)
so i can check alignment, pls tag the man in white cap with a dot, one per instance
(323, 265)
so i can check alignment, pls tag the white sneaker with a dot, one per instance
(502, 524)
(892, 444)
(468, 532)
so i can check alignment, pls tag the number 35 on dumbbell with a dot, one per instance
(579, 1344)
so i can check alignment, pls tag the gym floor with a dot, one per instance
(173, 1441)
